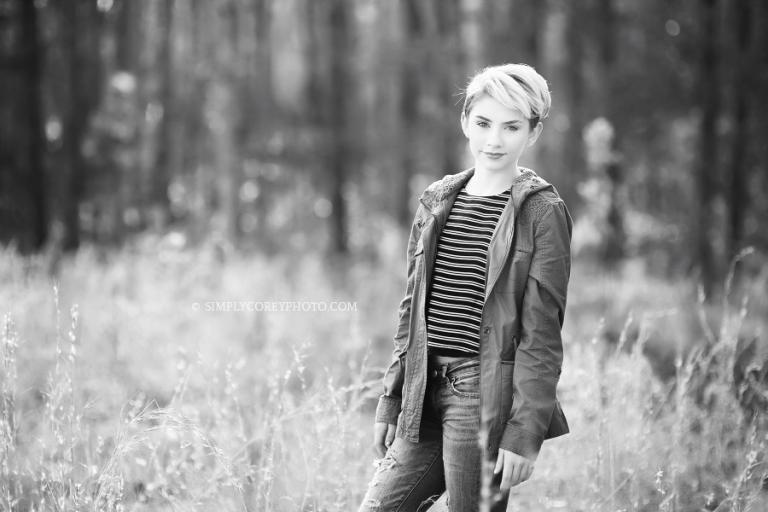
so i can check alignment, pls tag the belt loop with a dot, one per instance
(443, 370)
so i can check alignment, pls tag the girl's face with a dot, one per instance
(497, 135)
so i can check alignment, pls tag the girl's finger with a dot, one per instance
(506, 477)
(516, 474)
(526, 473)
(390, 436)
(499, 463)
(380, 449)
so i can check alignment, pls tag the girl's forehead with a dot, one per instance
(491, 108)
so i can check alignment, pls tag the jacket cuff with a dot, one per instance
(388, 409)
(521, 442)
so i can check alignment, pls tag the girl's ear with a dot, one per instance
(534, 135)
(465, 124)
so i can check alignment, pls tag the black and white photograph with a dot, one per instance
(383, 256)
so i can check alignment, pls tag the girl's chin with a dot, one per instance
(495, 165)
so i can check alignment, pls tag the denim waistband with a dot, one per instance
(435, 369)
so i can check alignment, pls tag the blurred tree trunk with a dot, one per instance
(123, 168)
(760, 123)
(613, 248)
(35, 146)
(262, 14)
(23, 205)
(738, 200)
(224, 107)
(606, 43)
(75, 123)
(8, 172)
(198, 154)
(473, 40)
(261, 101)
(573, 157)
(165, 164)
(150, 79)
(533, 25)
(317, 95)
(448, 50)
(317, 108)
(709, 102)
(126, 53)
(409, 105)
(500, 41)
(341, 97)
(330, 97)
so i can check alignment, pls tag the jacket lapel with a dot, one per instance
(438, 200)
(499, 246)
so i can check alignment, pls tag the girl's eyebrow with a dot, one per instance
(483, 118)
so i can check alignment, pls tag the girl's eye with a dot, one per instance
(512, 128)
(482, 124)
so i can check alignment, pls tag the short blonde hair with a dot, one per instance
(516, 86)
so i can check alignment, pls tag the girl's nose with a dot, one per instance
(494, 138)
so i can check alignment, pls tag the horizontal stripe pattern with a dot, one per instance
(457, 290)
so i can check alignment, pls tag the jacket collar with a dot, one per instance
(438, 192)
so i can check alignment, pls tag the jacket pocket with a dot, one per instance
(465, 386)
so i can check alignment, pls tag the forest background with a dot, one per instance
(171, 171)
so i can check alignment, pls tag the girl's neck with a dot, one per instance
(488, 183)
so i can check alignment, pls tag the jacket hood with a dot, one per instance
(529, 183)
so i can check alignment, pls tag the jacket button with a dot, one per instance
(487, 330)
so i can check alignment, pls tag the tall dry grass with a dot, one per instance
(118, 395)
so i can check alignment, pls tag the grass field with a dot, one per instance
(127, 385)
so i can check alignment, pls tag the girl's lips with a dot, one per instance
(493, 155)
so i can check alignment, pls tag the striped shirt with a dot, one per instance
(457, 292)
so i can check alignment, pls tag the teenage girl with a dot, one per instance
(470, 394)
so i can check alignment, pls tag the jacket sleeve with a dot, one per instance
(539, 355)
(389, 403)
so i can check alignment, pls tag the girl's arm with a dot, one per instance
(539, 356)
(389, 403)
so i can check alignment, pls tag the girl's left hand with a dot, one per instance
(515, 468)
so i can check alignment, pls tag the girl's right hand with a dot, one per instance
(383, 435)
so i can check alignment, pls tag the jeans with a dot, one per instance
(447, 457)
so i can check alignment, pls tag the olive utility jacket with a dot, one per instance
(521, 350)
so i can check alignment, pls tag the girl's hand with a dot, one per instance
(383, 435)
(516, 468)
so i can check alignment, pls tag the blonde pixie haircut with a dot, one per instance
(516, 86)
